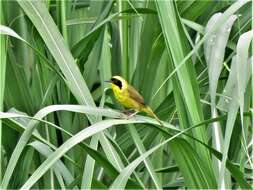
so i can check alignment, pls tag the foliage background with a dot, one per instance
(191, 60)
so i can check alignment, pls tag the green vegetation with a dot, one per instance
(61, 127)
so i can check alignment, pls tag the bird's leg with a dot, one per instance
(133, 114)
(128, 112)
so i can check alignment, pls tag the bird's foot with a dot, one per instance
(129, 113)
(133, 114)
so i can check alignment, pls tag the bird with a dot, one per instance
(129, 97)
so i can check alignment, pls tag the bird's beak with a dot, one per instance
(108, 81)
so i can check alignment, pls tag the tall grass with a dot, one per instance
(61, 126)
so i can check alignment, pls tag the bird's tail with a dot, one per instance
(150, 112)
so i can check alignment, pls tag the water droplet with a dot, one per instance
(207, 57)
(226, 100)
(88, 8)
(239, 15)
(212, 39)
(115, 4)
(228, 29)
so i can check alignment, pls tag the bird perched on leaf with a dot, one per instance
(129, 97)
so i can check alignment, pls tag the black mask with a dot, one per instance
(117, 82)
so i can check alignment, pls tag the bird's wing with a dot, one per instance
(134, 94)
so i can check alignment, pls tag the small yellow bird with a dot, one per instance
(129, 97)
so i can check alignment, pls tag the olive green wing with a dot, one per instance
(134, 94)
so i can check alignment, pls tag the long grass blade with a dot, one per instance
(214, 53)
(2, 83)
(230, 11)
(236, 103)
(177, 45)
(58, 166)
(40, 17)
(147, 162)
(79, 137)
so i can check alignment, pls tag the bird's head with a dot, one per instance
(117, 82)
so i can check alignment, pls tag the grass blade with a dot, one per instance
(177, 46)
(242, 62)
(240, 84)
(58, 166)
(4, 30)
(2, 84)
(147, 162)
(230, 11)
(214, 53)
(45, 25)
(79, 137)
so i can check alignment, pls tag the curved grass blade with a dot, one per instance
(4, 30)
(58, 166)
(230, 11)
(20, 127)
(39, 15)
(101, 160)
(121, 180)
(177, 46)
(235, 103)
(235, 171)
(27, 134)
(214, 49)
(241, 64)
(147, 162)
(79, 137)
(45, 111)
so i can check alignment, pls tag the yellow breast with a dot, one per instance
(119, 94)
(123, 97)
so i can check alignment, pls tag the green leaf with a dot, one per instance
(45, 25)
(79, 137)
(28, 132)
(230, 11)
(147, 162)
(3, 52)
(121, 180)
(237, 96)
(4, 30)
(214, 50)
(242, 66)
(177, 46)
(58, 166)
